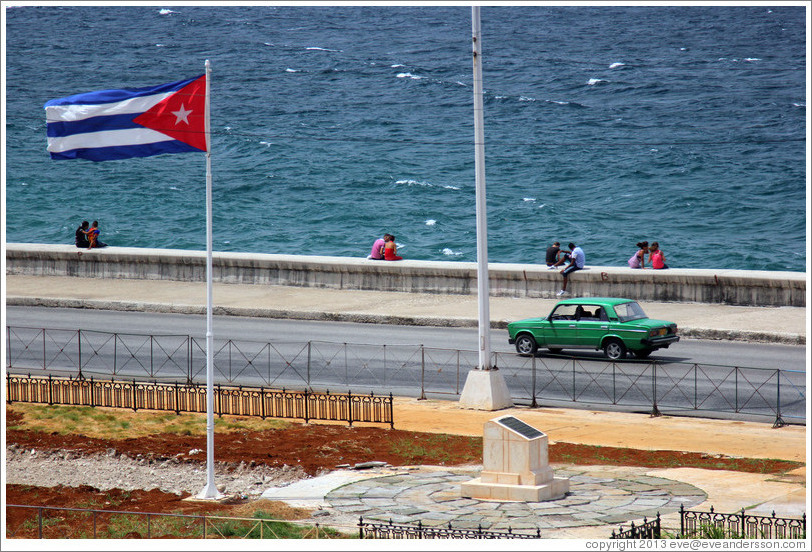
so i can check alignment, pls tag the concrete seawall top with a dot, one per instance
(731, 287)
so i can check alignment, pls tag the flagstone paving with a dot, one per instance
(598, 496)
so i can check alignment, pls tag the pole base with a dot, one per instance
(210, 492)
(485, 390)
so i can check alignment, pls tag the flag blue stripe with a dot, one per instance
(125, 152)
(93, 124)
(119, 94)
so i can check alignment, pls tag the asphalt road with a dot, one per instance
(692, 375)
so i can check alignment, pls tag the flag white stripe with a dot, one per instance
(107, 138)
(78, 112)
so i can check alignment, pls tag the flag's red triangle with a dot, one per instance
(181, 115)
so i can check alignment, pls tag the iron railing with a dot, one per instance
(739, 525)
(368, 530)
(186, 397)
(415, 370)
(646, 530)
(51, 522)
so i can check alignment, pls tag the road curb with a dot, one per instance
(366, 318)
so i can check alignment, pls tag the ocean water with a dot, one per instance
(604, 125)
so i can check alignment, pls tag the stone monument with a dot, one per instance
(515, 465)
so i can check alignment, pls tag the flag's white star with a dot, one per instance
(182, 115)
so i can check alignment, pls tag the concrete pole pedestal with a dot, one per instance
(485, 390)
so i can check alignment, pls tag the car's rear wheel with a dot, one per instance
(526, 345)
(614, 349)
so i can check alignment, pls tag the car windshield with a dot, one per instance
(629, 311)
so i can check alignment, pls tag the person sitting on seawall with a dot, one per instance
(377, 248)
(81, 235)
(555, 257)
(638, 260)
(93, 236)
(577, 262)
(390, 250)
(656, 257)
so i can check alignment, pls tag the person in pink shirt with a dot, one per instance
(656, 257)
(377, 248)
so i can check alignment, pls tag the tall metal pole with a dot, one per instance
(210, 490)
(483, 289)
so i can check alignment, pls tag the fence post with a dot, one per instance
(736, 388)
(177, 399)
(9, 398)
(306, 403)
(681, 520)
(742, 526)
(220, 401)
(533, 404)
(349, 407)
(309, 346)
(92, 401)
(39, 523)
(8, 346)
(779, 422)
(44, 354)
(79, 340)
(573, 380)
(361, 527)
(422, 373)
(135, 398)
(50, 391)
(654, 410)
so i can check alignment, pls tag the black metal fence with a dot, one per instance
(51, 522)
(646, 530)
(188, 397)
(367, 530)
(655, 386)
(739, 525)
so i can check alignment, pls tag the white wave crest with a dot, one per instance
(450, 187)
(408, 76)
(526, 99)
(528, 199)
(321, 49)
(616, 64)
(593, 82)
(396, 65)
(410, 182)
(289, 70)
(165, 11)
(450, 252)
(431, 222)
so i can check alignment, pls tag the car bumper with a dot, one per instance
(660, 342)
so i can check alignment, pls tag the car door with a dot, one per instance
(592, 325)
(562, 327)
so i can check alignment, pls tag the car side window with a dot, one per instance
(565, 312)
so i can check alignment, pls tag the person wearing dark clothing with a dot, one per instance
(81, 235)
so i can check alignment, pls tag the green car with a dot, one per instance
(617, 326)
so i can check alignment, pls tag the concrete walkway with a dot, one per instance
(602, 497)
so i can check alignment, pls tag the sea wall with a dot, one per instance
(731, 287)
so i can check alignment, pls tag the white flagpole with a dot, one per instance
(210, 490)
(483, 290)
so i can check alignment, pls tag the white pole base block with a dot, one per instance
(210, 492)
(485, 390)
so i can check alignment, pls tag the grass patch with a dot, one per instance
(111, 423)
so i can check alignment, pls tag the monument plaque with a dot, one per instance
(515, 465)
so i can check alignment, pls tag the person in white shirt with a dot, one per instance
(577, 261)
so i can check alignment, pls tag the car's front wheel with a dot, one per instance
(526, 345)
(614, 349)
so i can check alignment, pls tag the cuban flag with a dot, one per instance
(129, 122)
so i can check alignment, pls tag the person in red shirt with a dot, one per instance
(390, 250)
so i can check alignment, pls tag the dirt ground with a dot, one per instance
(316, 448)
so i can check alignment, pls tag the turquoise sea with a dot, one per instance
(604, 125)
